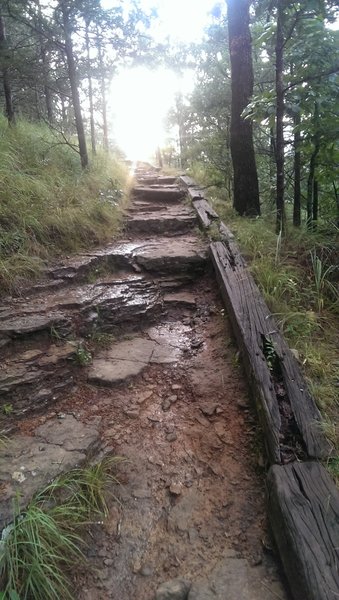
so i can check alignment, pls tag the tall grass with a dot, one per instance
(48, 206)
(44, 542)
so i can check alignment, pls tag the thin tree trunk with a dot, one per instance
(9, 108)
(297, 173)
(159, 158)
(336, 196)
(47, 91)
(272, 168)
(246, 189)
(74, 87)
(315, 202)
(279, 83)
(37, 104)
(90, 92)
(182, 132)
(313, 166)
(103, 94)
(45, 68)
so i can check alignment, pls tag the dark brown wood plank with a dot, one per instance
(194, 191)
(229, 270)
(303, 505)
(205, 212)
(187, 181)
(252, 320)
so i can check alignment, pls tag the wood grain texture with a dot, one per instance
(251, 320)
(303, 505)
(205, 212)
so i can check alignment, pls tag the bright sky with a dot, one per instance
(140, 98)
(140, 101)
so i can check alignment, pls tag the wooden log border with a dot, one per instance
(303, 501)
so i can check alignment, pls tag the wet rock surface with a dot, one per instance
(162, 388)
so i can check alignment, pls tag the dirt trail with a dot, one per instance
(168, 393)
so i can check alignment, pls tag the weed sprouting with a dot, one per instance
(82, 356)
(7, 408)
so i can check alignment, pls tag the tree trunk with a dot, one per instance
(103, 94)
(159, 157)
(246, 189)
(336, 196)
(311, 174)
(74, 87)
(297, 173)
(279, 83)
(90, 91)
(45, 67)
(9, 108)
(181, 131)
(272, 168)
(315, 202)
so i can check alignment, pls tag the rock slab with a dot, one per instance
(28, 463)
(174, 589)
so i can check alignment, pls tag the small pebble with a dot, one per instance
(166, 405)
(108, 562)
(146, 571)
(175, 489)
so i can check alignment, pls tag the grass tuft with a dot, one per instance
(44, 542)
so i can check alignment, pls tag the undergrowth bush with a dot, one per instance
(48, 205)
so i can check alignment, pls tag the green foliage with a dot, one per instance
(82, 357)
(270, 353)
(324, 288)
(47, 205)
(42, 544)
(7, 408)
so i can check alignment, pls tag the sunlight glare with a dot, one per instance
(139, 102)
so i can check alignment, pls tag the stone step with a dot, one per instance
(159, 194)
(31, 380)
(169, 219)
(153, 180)
(167, 255)
(81, 308)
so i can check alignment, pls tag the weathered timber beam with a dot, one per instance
(252, 321)
(236, 291)
(205, 212)
(187, 181)
(303, 508)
